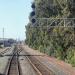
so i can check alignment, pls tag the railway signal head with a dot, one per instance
(33, 21)
(33, 5)
(32, 13)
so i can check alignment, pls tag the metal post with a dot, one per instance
(3, 37)
(64, 22)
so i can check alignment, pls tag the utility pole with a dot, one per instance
(3, 37)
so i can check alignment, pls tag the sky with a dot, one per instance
(13, 18)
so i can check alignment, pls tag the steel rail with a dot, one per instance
(6, 50)
(13, 66)
(37, 65)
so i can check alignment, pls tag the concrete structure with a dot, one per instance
(6, 42)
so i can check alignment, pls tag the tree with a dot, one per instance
(49, 35)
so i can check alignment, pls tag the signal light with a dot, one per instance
(32, 13)
(33, 5)
(33, 21)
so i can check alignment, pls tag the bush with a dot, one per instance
(71, 56)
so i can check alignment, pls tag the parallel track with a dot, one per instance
(13, 66)
(3, 52)
(39, 67)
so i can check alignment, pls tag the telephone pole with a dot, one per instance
(3, 37)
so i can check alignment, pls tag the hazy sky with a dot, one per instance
(13, 17)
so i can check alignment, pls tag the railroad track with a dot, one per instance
(5, 51)
(40, 68)
(13, 66)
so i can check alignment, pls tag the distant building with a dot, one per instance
(6, 42)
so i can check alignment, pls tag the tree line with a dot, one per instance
(51, 28)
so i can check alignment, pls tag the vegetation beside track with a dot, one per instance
(58, 41)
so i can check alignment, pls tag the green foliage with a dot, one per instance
(71, 56)
(55, 41)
